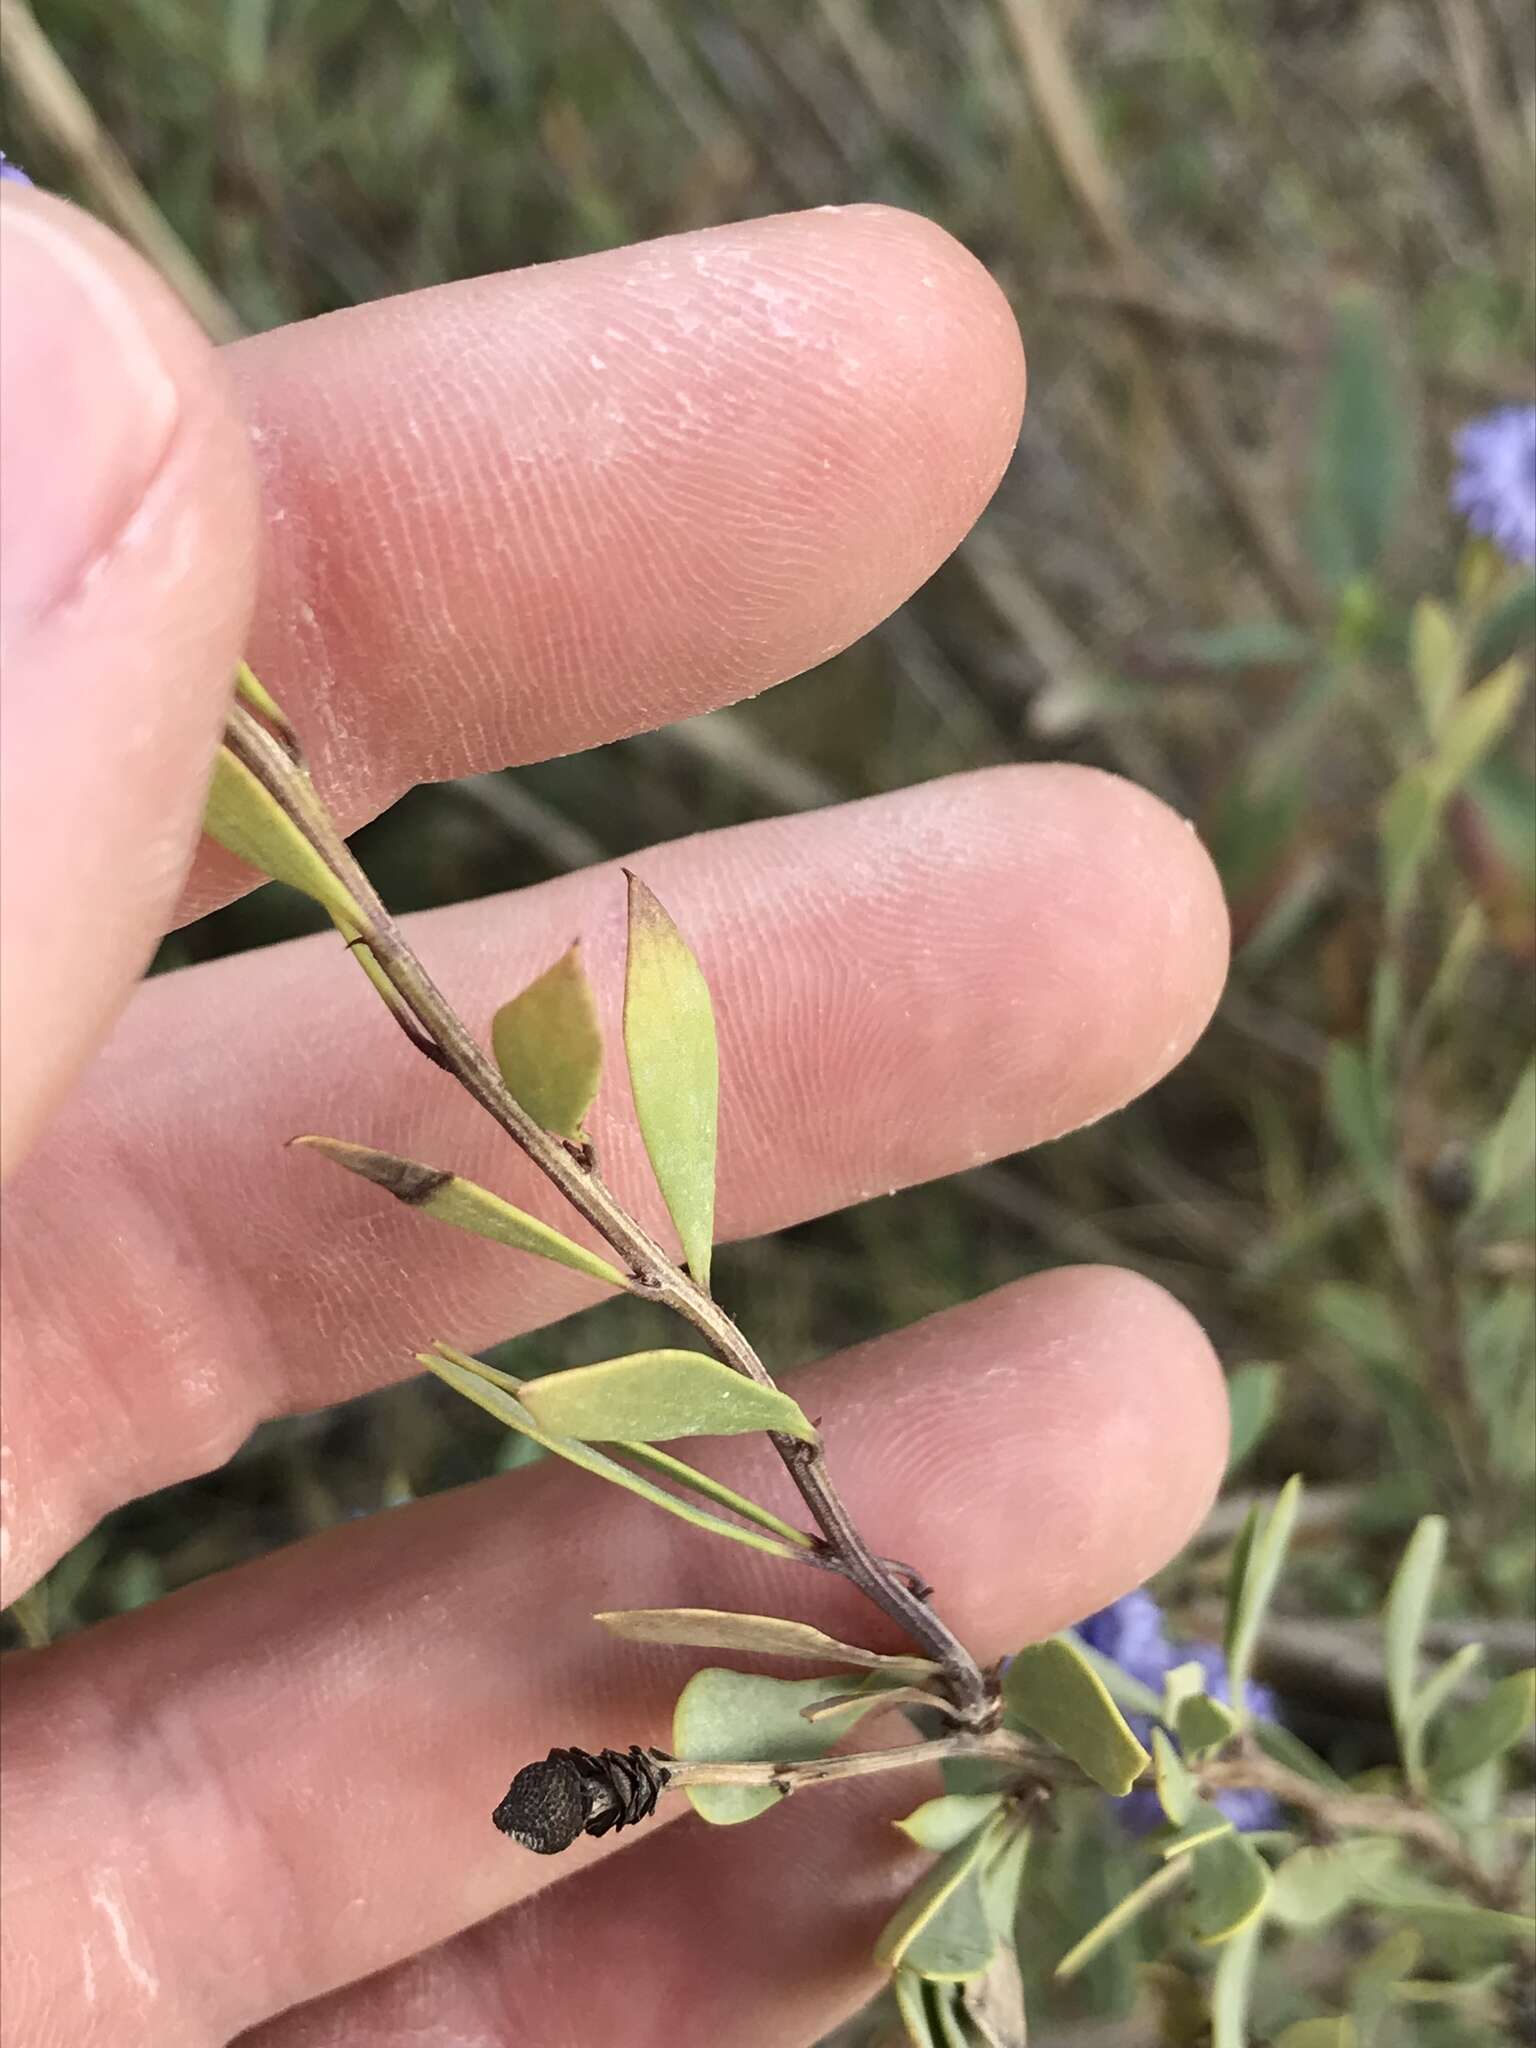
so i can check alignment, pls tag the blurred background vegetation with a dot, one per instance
(1267, 255)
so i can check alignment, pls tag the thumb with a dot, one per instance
(127, 565)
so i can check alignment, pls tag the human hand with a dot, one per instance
(498, 520)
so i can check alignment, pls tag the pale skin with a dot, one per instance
(455, 531)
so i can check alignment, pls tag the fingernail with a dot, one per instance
(87, 410)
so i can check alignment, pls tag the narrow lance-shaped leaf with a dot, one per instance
(461, 1373)
(1403, 1620)
(736, 1717)
(249, 822)
(449, 1198)
(261, 700)
(1176, 1791)
(1123, 1914)
(702, 1483)
(1360, 454)
(1232, 1988)
(1253, 1394)
(1052, 1690)
(549, 1047)
(1256, 1565)
(653, 1396)
(710, 1628)
(674, 1071)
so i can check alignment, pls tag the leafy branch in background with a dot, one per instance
(1247, 1826)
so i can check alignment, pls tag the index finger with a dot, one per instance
(524, 514)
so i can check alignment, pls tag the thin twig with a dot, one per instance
(999, 1746)
(663, 1279)
(1367, 1813)
(67, 117)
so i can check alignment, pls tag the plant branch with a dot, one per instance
(998, 1746)
(1363, 1813)
(425, 1014)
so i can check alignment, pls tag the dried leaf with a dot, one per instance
(710, 1628)
(449, 1198)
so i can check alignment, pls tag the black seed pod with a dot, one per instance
(571, 1793)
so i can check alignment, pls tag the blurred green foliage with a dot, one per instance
(1332, 219)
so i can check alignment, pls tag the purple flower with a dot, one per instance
(1494, 488)
(1131, 1633)
(12, 171)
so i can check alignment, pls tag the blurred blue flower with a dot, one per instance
(1131, 1632)
(1494, 488)
(12, 171)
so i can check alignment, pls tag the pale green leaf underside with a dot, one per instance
(711, 1628)
(1476, 1734)
(253, 826)
(942, 1824)
(736, 1717)
(1052, 1689)
(654, 1396)
(549, 1047)
(1176, 1791)
(942, 1929)
(674, 1071)
(449, 1198)
(478, 1384)
(1231, 1886)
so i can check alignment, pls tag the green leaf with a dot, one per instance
(478, 1383)
(1120, 1917)
(1475, 725)
(1509, 626)
(1253, 1394)
(1176, 1790)
(1355, 1114)
(917, 2013)
(702, 1483)
(1507, 1155)
(1253, 643)
(1432, 1695)
(1319, 2033)
(1232, 1988)
(735, 1717)
(1256, 1566)
(1002, 1880)
(1128, 1693)
(1204, 1823)
(1290, 1750)
(1231, 1888)
(1437, 660)
(252, 825)
(1204, 1724)
(941, 1929)
(1315, 1885)
(1052, 1689)
(711, 1628)
(1410, 813)
(449, 1198)
(943, 1823)
(549, 1047)
(1360, 454)
(674, 1071)
(654, 1396)
(1403, 1618)
(1474, 1735)
(251, 692)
